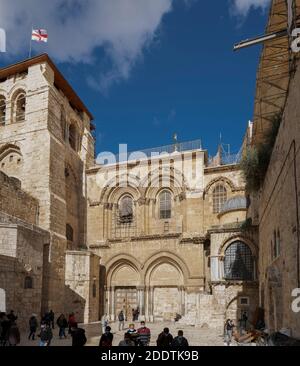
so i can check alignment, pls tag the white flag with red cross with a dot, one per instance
(39, 35)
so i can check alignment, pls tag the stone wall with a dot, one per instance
(82, 285)
(15, 202)
(278, 212)
(21, 256)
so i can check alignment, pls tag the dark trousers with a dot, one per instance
(62, 333)
(32, 333)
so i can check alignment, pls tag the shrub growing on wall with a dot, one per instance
(256, 159)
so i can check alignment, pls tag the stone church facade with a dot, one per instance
(163, 234)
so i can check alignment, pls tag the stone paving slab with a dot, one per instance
(195, 336)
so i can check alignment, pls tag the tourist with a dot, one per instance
(137, 314)
(45, 335)
(78, 336)
(71, 321)
(133, 314)
(133, 333)
(4, 326)
(244, 320)
(33, 324)
(180, 341)
(13, 335)
(144, 335)
(12, 317)
(51, 318)
(106, 338)
(228, 331)
(104, 322)
(62, 325)
(121, 318)
(46, 318)
(127, 342)
(164, 339)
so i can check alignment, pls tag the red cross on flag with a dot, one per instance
(39, 35)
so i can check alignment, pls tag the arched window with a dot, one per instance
(219, 198)
(126, 210)
(28, 283)
(73, 137)
(2, 110)
(69, 233)
(238, 262)
(19, 107)
(165, 205)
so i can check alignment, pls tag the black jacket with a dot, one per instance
(180, 342)
(78, 337)
(164, 340)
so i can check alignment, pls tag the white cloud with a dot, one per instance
(77, 28)
(242, 7)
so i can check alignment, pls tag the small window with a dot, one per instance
(244, 301)
(69, 233)
(126, 210)
(219, 198)
(28, 284)
(165, 205)
(73, 137)
(276, 244)
(94, 290)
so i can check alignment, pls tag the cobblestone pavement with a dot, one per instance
(195, 336)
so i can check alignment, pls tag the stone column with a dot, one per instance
(182, 300)
(151, 305)
(147, 304)
(107, 302)
(113, 312)
(141, 291)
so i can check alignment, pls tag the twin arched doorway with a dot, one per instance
(156, 289)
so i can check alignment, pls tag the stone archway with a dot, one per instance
(123, 289)
(165, 281)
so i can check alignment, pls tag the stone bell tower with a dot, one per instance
(46, 142)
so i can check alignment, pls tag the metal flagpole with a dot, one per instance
(30, 48)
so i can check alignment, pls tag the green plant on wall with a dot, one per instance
(256, 159)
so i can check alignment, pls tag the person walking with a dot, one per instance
(71, 321)
(121, 318)
(51, 318)
(144, 335)
(62, 325)
(127, 341)
(180, 341)
(33, 325)
(14, 337)
(45, 335)
(106, 338)
(164, 339)
(104, 322)
(78, 336)
(228, 331)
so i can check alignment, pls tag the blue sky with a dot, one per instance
(183, 77)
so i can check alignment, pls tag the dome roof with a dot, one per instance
(234, 203)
